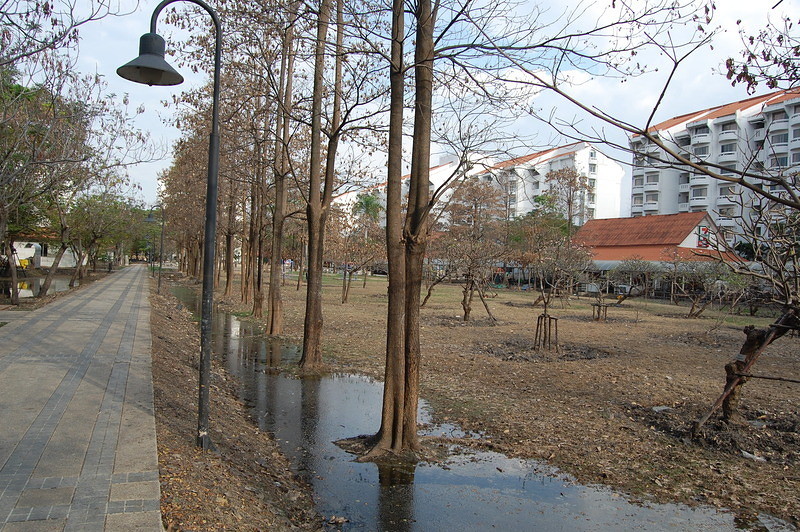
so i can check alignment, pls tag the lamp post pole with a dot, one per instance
(150, 68)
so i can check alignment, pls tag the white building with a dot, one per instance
(523, 179)
(758, 135)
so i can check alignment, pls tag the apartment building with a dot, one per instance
(522, 179)
(759, 135)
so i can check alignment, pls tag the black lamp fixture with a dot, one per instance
(151, 68)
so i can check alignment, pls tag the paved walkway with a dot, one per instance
(77, 432)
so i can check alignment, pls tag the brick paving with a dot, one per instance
(78, 442)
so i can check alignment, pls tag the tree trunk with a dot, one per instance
(228, 263)
(466, 299)
(312, 325)
(390, 434)
(416, 226)
(274, 297)
(48, 279)
(12, 270)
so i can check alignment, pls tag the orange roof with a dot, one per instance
(538, 155)
(660, 230)
(727, 109)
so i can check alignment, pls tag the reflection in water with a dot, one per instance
(29, 287)
(396, 500)
(471, 491)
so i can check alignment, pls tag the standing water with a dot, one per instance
(469, 491)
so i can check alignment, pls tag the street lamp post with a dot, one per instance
(151, 68)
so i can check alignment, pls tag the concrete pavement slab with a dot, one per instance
(78, 450)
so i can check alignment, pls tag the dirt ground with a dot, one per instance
(613, 406)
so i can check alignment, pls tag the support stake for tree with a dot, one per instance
(546, 335)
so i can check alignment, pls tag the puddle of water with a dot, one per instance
(470, 491)
(30, 287)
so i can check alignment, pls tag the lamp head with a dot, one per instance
(150, 67)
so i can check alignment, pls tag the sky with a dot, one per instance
(698, 84)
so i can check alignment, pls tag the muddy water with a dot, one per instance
(470, 491)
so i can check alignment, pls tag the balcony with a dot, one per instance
(637, 189)
(683, 207)
(726, 200)
(726, 221)
(700, 201)
(651, 206)
(638, 170)
(727, 157)
(651, 187)
(683, 187)
(778, 125)
(728, 135)
(701, 138)
(699, 180)
(636, 209)
(760, 134)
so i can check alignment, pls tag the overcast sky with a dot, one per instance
(699, 84)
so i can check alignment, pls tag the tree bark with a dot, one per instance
(274, 297)
(416, 226)
(389, 437)
(312, 325)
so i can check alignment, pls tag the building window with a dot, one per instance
(796, 133)
(702, 130)
(651, 198)
(591, 198)
(726, 212)
(683, 178)
(727, 170)
(726, 190)
(701, 150)
(779, 115)
(779, 162)
(684, 141)
(590, 214)
(796, 157)
(592, 183)
(796, 109)
(700, 192)
(730, 126)
(638, 199)
(727, 148)
(638, 181)
(592, 168)
(592, 154)
(779, 138)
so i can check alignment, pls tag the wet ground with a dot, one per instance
(469, 491)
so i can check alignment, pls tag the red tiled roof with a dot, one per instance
(538, 155)
(728, 108)
(661, 230)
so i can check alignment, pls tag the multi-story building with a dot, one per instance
(759, 135)
(523, 179)
(520, 180)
